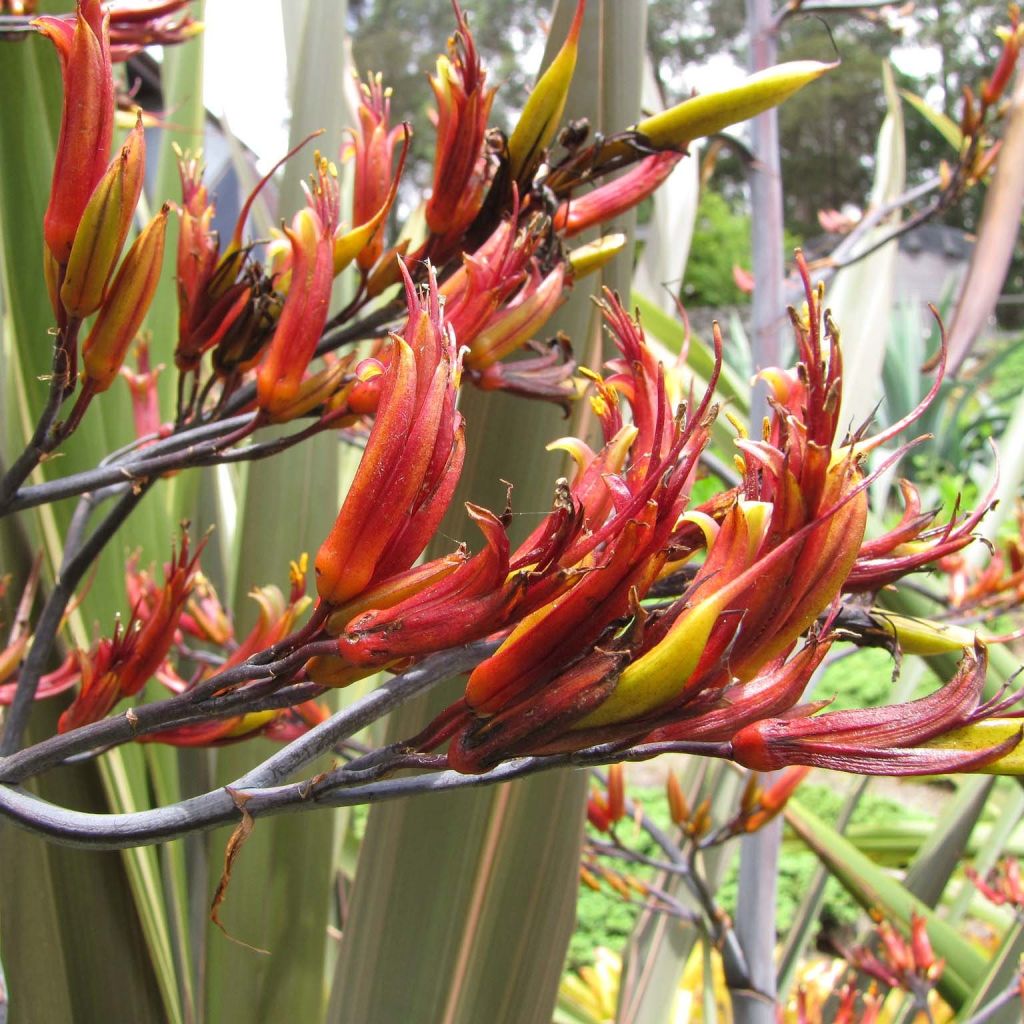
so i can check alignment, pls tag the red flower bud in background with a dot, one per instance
(994, 87)
(460, 162)
(145, 397)
(121, 666)
(87, 120)
(135, 25)
(372, 147)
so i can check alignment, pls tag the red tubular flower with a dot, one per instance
(583, 567)
(125, 307)
(50, 685)
(500, 299)
(277, 618)
(224, 302)
(1002, 885)
(121, 666)
(135, 25)
(280, 375)
(372, 148)
(616, 197)
(103, 228)
(716, 665)
(145, 397)
(411, 463)
(87, 120)
(460, 163)
(546, 375)
(993, 88)
(897, 962)
(885, 740)
(197, 259)
(770, 801)
(795, 532)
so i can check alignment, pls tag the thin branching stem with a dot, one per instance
(77, 561)
(219, 807)
(47, 434)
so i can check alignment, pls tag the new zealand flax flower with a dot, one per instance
(724, 662)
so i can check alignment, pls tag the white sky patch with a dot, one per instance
(917, 61)
(245, 76)
(717, 72)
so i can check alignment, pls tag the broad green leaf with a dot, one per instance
(800, 935)
(875, 889)
(72, 946)
(861, 296)
(941, 122)
(281, 893)
(942, 852)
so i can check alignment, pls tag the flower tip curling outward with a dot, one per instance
(923, 737)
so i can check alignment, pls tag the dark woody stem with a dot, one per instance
(189, 446)
(77, 560)
(47, 434)
(265, 797)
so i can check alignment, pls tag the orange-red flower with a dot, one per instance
(120, 666)
(277, 617)
(460, 161)
(411, 463)
(501, 296)
(884, 740)
(281, 372)
(372, 148)
(615, 197)
(718, 663)
(87, 119)
(602, 544)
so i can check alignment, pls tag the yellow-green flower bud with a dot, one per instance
(704, 115)
(921, 636)
(128, 301)
(104, 226)
(542, 114)
(585, 259)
